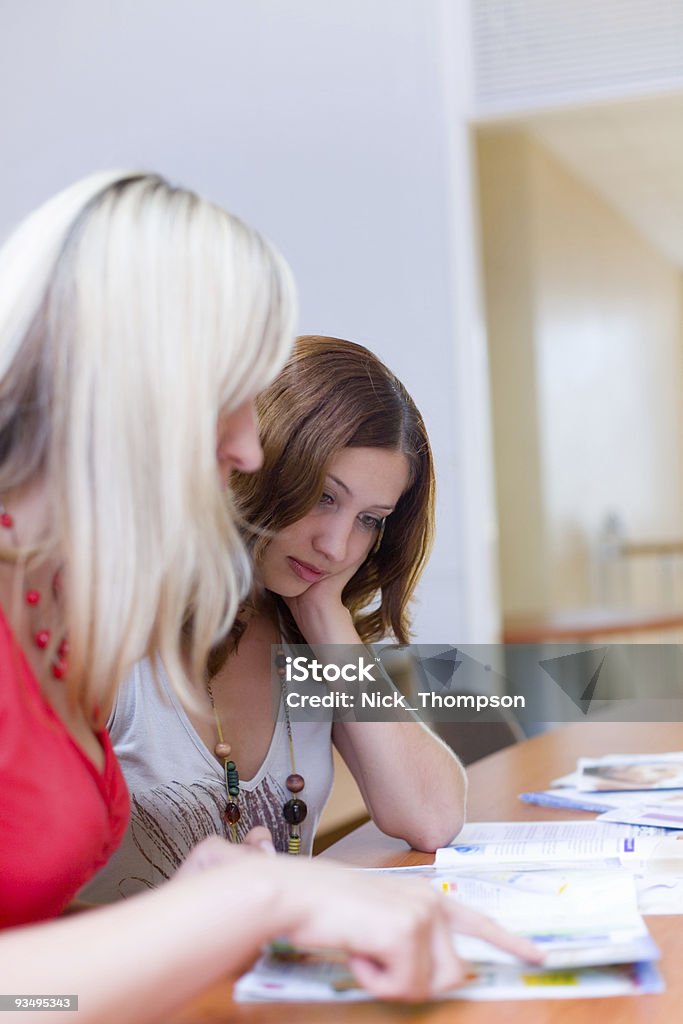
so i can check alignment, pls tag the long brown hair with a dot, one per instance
(334, 394)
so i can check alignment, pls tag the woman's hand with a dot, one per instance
(214, 852)
(398, 934)
(320, 613)
(260, 838)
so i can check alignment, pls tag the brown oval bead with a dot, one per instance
(295, 783)
(222, 750)
(232, 814)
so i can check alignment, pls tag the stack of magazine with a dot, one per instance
(562, 884)
(637, 789)
(634, 789)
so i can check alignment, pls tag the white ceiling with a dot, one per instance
(631, 153)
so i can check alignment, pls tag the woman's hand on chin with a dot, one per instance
(320, 613)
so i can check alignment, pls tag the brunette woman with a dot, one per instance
(341, 517)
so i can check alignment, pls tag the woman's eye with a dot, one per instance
(326, 499)
(371, 522)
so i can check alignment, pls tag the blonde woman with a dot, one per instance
(137, 322)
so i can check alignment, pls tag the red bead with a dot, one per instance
(42, 638)
(59, 669)
(295, 783)
(32, 597)
(7, 520)
(63, 648)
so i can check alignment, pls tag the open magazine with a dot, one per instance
(659, 883)
(596, 942)
(304, 977)
(652, 857)
(563, 845)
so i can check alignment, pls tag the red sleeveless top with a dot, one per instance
(60, 818)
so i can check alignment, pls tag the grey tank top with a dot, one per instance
(177, 787)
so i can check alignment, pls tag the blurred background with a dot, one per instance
(488, 193)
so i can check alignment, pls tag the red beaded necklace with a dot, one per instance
(33, 598)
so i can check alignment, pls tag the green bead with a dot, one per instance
(232, 779)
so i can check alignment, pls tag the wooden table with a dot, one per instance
(495, 783)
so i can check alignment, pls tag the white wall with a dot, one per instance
(324, 124)
(609, 322)
(586, 335)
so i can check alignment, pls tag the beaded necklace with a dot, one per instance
(41, 636)
(294, 810)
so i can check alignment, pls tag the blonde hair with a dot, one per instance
(132, 314)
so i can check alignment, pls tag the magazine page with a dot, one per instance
(631, 771)
(580, 918)
(664, 810)
(575, 799)
(539, 845)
